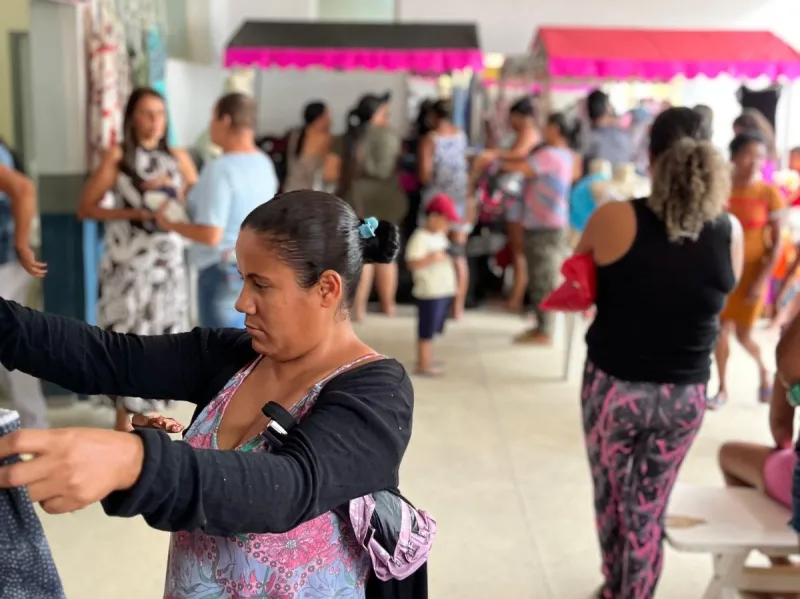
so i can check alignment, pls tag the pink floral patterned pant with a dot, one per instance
(637, 435)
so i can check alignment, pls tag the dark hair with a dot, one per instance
(421, 124)
(597, 105)
(691, 181)
(752, 119)
(240, 108)
(442, 109)
(129, 140)
(311, 112)
(358, 120)
(568, 131)
(523, 107)
(674, 124)
(744, 139)
(314, 231)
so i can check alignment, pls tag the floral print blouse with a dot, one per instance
(319, 559)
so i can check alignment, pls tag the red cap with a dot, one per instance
(443, 204)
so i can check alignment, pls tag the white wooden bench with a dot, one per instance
(730, 523)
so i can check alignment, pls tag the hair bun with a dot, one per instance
(382, 248)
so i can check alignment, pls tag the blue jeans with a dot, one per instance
(218, 288)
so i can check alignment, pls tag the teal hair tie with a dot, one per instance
(368, 227)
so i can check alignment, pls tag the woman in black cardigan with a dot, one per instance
(301, 256)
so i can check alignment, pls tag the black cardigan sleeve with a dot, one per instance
(92, 361)
(350, 444)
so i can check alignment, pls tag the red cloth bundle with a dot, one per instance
(579, 288)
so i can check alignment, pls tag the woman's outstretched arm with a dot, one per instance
(91, 361)
(350, 444)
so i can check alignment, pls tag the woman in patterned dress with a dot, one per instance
(143, 283)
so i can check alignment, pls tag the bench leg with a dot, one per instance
(727, 569)
(569, 328)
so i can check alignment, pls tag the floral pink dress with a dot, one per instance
(319, 559)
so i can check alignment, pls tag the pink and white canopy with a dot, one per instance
(661, 55)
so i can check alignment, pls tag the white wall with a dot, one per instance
(277, 10)
(176, 13)
(192, 90)
(15, 17)
(356, 10)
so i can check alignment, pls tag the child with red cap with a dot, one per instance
(434, 276)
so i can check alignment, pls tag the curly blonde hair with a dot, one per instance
(691, 186)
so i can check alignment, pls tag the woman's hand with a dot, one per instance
(782, 433)
(161, 218)
(71, 468)
(28, 261)
(485, 158)
(756, 291)
(159, 182)
(157, 422)
(782, 294)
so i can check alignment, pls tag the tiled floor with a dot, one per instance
(497, 456)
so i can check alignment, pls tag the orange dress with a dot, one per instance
(756, 206)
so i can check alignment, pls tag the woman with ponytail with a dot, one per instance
(363, 167)
(308, 147)
(665, 265)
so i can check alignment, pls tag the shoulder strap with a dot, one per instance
(286, 419)
(348, 366)
(312, 397)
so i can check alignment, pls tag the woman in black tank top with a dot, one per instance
(664, 267)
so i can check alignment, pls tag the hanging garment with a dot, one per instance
(109, 80)
(27, 568)
(765, 101)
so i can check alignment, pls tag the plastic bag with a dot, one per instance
(397, 536)
(579, 289)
